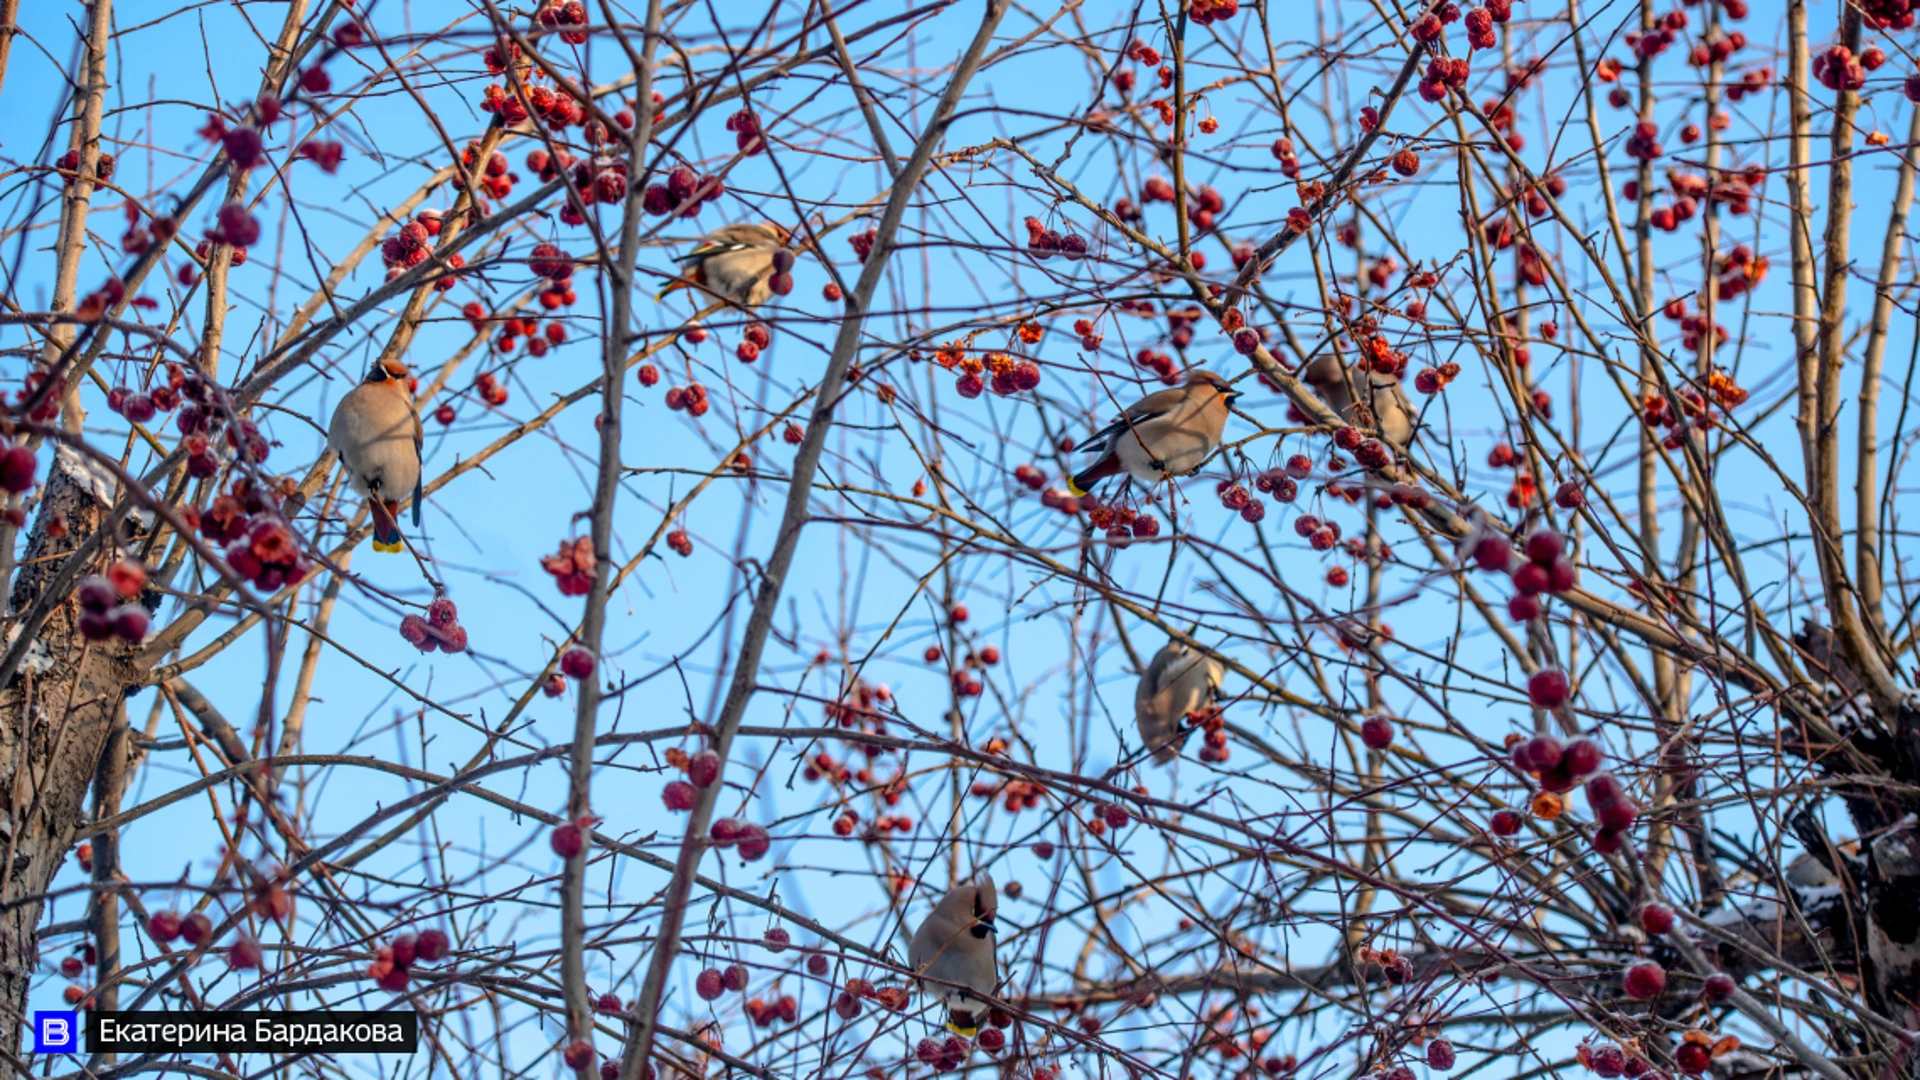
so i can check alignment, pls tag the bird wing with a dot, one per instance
(420, 478)
(710, 247)
(1155, 677)
(740, 237)
(1152, 407)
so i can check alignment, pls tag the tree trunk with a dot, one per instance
(55, 715)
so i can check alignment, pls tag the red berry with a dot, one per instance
(777, 940)
(1692, 1058)
(1548, 689)
(1656, 918)
(431, 946)
(1717, 988)
(1506, 823)
(1644, 981)
(1440, 1055)
(1492, 554)
(577, 663)
(703, 768)
(17, 468)
(244, 955)
(566, 840)
(679, 796)
(1545, 546)
(163, 926)
(754, 842)
(196, 929)
(1543, 753)
(708, 985)
(1582, 757)
(1376, 732)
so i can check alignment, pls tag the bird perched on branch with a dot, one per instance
(1386, 401)
(1167, 433)
(952, 952)
(377, 434)
(1178, 681)
(745, 263)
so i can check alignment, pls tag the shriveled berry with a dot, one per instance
(1376, 732)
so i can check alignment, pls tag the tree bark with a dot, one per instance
(55, 716)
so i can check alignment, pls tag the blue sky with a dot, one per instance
(1063, 687)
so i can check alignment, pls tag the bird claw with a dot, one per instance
(1158, 465)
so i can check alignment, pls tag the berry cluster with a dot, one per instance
(1207, 12)
(758, 336)
(1282, 151)
(440, 629)
(602, 180)
(1444, 73)
(566, 16)
(259, 545)
(1044, 242)
(109, 605)
(747, 134)
(1432, 380)
(166, 926)
(692, 398)
(393, 964)
(69, 163)
(684, 193)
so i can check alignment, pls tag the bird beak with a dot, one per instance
(1235, 395)
(987, 921)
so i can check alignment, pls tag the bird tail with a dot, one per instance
(386, 530)
(962, 1024)
(673, 286)
(1082, 482)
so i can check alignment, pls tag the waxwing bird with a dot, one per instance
(1167, 433)
(377, 434)
(1393, 413)
(737, 263)
(1179, 680)
(953, 953)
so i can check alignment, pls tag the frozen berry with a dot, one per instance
(1644, 981)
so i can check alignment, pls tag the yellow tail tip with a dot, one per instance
(1074, 489)
(963, 1032)
(388, 548)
